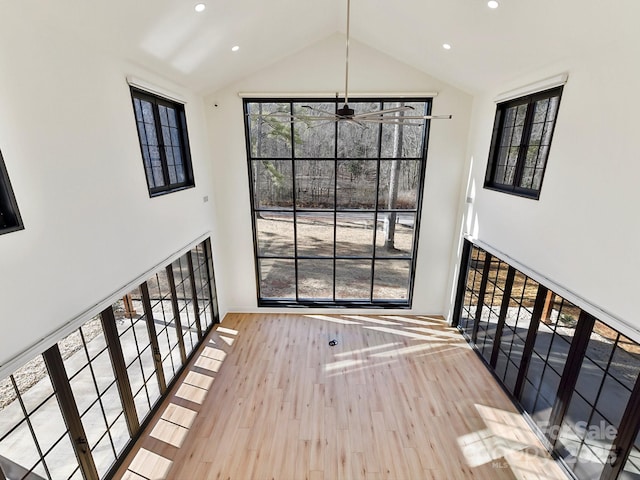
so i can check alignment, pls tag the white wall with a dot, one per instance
(583, 231)
(320, 68)
(69, 141)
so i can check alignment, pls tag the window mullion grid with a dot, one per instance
(481, 292)
(194, 295)
(185, 149)
(377, 209)
(530, 340)
(161, 146)
(99, 395)
(70, 413)
(463, 271)
(417, 211)
(504, 310)
(335, 221)
(627, 433)
(571, 371)
(524, 146)
(294, 206)
(153, 338)
(594, 410)
(31, 429)
(120, 369)
(176, 313)
(495, 147)
(211, 281)
(335, 199)
(510, 145)
(544, 123)
(252, 195)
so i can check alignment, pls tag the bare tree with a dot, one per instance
(394, 177)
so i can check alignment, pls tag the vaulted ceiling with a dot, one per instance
(488, 46)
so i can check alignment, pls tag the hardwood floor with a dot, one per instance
(398, 397)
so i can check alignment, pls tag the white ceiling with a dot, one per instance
(489, 46)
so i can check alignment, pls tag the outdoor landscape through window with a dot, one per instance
(335, 204)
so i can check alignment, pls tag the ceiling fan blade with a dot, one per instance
(327, 114)
(428, 117)
(385, 112)
(284, 117)
(389, 121)
(390, 118)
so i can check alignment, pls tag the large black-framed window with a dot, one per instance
(576, 378)
(335, 205)
(10, 219)
(73, 411)
(520, 143)
(164, 143)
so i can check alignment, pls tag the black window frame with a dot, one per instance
(301, 300)
(490, 182)
(183, 138)
(113, 388)
(10, 219)
(595, 365)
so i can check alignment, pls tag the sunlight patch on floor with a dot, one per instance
(370, 320)
(507, 442)
(147, 465)
(414, 321)
(410, 350)
(402, 333)
(228, 331)
(373, 348)
(342, 364)
(333, 319)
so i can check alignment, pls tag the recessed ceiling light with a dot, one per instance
(446, 46)
(235, 48)
(493, 4)
(200, 7)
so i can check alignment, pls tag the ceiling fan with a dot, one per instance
(394, 116)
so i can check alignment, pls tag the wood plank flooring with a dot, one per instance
(398, 397)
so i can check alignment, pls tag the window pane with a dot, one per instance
(275, 234)
(398, 184)
(315, 279)
(314, 136)
(391, 279)
(357, 184)
(394, 235)
(277, 278)
(353, 279)
(269, 129)
(357, 141)
(314, 234)
(404, 140)
(354, 234)
(315, 181)
(272, 184)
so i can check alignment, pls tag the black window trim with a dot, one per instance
(8, 204)
(156, 100)
(302, 302)
(498, 125)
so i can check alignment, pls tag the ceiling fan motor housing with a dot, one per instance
(346, 112)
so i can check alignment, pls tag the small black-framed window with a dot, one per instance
(522, 133)
(162, 130)
(10, 219)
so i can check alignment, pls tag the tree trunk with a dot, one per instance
(394, 177)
